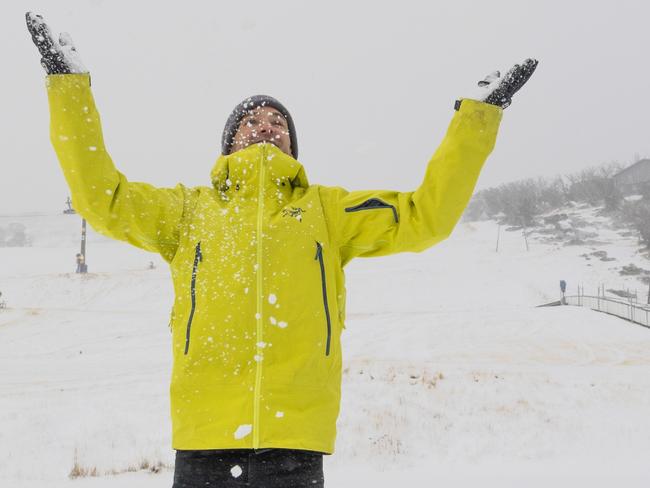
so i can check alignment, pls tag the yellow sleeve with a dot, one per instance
(379, 222)
(138, 213)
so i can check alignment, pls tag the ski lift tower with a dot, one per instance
(83, 246)
(69, 209)
(500, 217)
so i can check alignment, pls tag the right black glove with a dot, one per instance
(58, 57)
(501, 90)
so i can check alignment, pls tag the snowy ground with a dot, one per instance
(452, 377)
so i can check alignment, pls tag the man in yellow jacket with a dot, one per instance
(257, 262)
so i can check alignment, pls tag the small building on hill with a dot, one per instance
(635, 178)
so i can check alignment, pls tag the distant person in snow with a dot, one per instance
(81, 263)
(257, 261)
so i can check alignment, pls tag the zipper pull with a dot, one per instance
(319, 250)
(199, 254)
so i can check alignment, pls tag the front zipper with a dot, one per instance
(260, 283)
(319, 256)
(373, 203)
(197, 258)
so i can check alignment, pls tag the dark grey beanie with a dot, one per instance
(251, 103)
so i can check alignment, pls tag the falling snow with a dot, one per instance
(421, 338)
(243, 430)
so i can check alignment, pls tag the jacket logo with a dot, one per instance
(295, 212)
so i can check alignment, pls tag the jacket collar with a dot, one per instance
(241, 170)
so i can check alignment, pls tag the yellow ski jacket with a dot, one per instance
(257, 262)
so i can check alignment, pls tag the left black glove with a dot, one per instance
(58, 56)
(500, 90)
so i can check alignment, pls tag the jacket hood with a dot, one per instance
(242, 166)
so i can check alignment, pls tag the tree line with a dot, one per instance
(522, 202)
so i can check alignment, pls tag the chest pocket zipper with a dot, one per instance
(372, 204)
(198, 257)
(319, 257)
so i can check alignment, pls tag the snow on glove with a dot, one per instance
(58, 57)
(499, 91)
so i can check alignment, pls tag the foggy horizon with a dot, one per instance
(371, 90)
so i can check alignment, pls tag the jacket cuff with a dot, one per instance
(463, 102)
(69, 80)
(490, 113)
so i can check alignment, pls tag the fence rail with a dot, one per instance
(626, 309)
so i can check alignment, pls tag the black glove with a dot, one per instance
(58, 57)
(501, 90)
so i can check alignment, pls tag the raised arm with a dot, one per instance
(379, 222)
(138, 213)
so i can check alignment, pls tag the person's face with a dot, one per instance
(263, 124)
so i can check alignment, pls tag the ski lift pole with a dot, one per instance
(581, 291)
(83, 242)
(525, 238)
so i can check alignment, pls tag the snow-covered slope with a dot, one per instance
(452, 376)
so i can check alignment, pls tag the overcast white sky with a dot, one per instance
(370, 85)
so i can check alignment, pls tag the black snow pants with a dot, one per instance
(261, 468)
